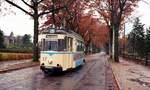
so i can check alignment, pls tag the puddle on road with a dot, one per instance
(144, 81)
(125, 64)
(135, 71)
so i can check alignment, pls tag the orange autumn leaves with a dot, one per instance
(92, 29)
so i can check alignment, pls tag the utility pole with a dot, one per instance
(124, 36)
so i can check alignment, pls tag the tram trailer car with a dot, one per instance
(60, 51)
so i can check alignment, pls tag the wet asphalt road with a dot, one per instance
(91, 76)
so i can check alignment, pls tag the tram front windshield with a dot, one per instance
(54, 45)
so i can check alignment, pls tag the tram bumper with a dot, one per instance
(51, 70)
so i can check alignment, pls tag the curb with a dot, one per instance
(117, 81)
(24, 65)
(115, 77)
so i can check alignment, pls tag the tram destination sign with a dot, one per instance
(51, 36)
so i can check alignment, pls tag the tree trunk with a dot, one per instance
(35, 40)
(115, 44)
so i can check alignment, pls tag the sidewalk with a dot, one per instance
(131, 76)
(6, 66)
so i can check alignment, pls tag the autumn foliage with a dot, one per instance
(74, 18)
(93, 31)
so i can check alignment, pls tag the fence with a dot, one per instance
(142, 60)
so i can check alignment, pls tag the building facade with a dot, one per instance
(12, 40)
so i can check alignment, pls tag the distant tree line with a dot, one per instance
(139, 40)
(2, 39)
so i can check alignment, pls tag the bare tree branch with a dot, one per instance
(27, 4)
(46, 12)
(40, 1)
(17, 6)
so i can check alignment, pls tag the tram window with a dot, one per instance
(52, 45)
(58, 45)
(80, 46)
(61, 45)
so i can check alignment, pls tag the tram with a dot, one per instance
(60, 50)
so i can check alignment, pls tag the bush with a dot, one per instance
(15, 56)
(17, 50)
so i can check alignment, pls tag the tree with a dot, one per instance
(26, 41)
(67, 18)
(1, 40)
(122, 44)
(114, 13)
(36, 10)
(147, 41)
(93, 31)
(137, 38)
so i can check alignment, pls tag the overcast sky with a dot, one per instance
(21, 24)
(143, 12)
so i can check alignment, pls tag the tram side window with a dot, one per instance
(80, 46)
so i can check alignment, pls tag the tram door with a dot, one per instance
(68, 60)
(70, 50)
(70, 44)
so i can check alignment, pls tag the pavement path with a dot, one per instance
(132, 76)
(6, 66)
(94, 75)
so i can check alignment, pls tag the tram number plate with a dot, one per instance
(44, 58)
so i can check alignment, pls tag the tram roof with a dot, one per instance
(60, 31)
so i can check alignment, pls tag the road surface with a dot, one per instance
(94, 75)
